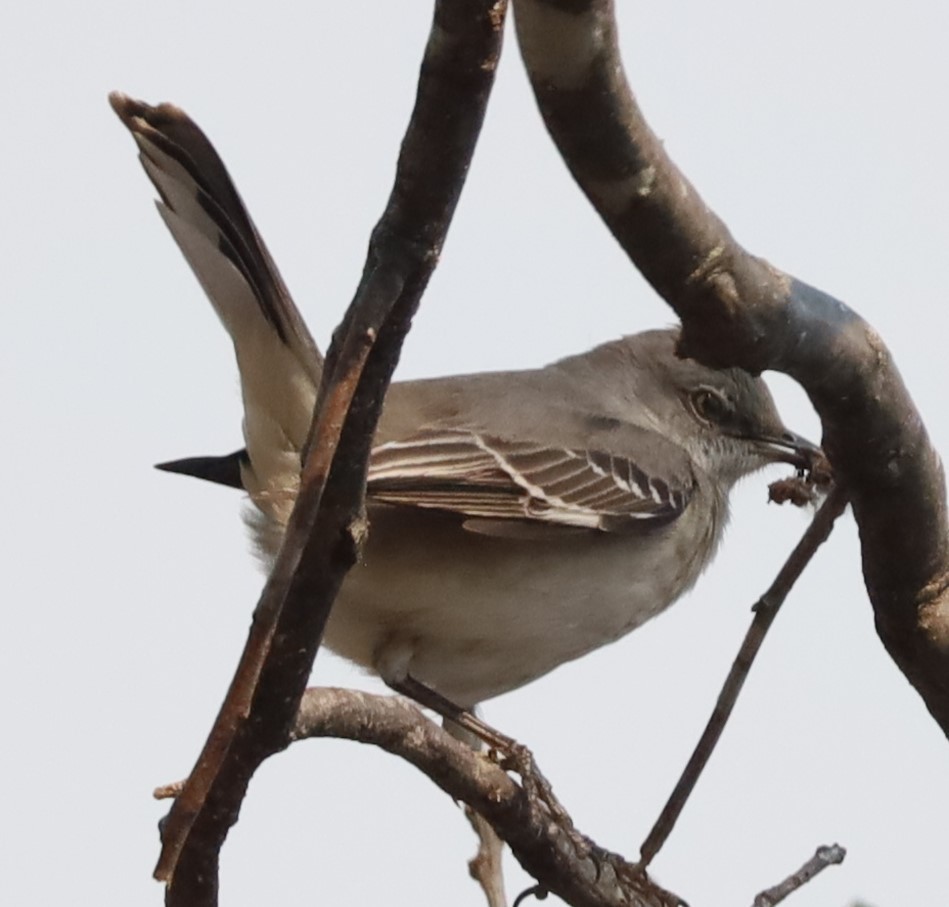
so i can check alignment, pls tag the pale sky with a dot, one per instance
(816, 129)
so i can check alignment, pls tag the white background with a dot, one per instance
(817, 129)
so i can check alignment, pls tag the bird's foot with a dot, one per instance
(505, 751)
(517, 758)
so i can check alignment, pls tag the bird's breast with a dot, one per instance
(484, 615)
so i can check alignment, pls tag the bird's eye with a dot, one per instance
(710, 405)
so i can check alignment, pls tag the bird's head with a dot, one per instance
(726, 419)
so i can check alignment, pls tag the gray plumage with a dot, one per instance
(518, 519)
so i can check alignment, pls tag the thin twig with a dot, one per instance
(485, 867)
(766, 609)
(828, 855)
(535, 891)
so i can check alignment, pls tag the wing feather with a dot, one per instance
(483, 478)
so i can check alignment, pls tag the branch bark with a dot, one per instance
(544, 840)
(327, 525)
(828, 855)
(738, 310)
(543, 847)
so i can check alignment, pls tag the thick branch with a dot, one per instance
(326, 527)
(543, 847)
(737, 310)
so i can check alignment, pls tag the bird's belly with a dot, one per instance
(506, 610)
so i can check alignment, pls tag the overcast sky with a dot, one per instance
(817, 130)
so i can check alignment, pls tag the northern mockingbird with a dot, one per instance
(518, 519)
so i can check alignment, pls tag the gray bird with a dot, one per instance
(518, 519)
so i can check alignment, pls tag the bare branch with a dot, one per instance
(828, 855)
(738, 310)
(326, 528)
(546, 850)
(485, 866)
(765, 610)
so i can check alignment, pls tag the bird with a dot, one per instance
(518, 519)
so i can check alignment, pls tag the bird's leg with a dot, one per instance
(464, 718)
(509, 754)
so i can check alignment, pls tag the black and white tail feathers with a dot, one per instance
(280, 365)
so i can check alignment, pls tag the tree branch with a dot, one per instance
(766, 610)
(828, 855)
(327, 525)
(738, 310)
(546, 850)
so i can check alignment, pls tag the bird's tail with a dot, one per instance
(279, 363)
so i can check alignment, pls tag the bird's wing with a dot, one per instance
(489, 479)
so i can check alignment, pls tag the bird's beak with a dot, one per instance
(787, 447)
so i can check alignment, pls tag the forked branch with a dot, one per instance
(736, 310)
